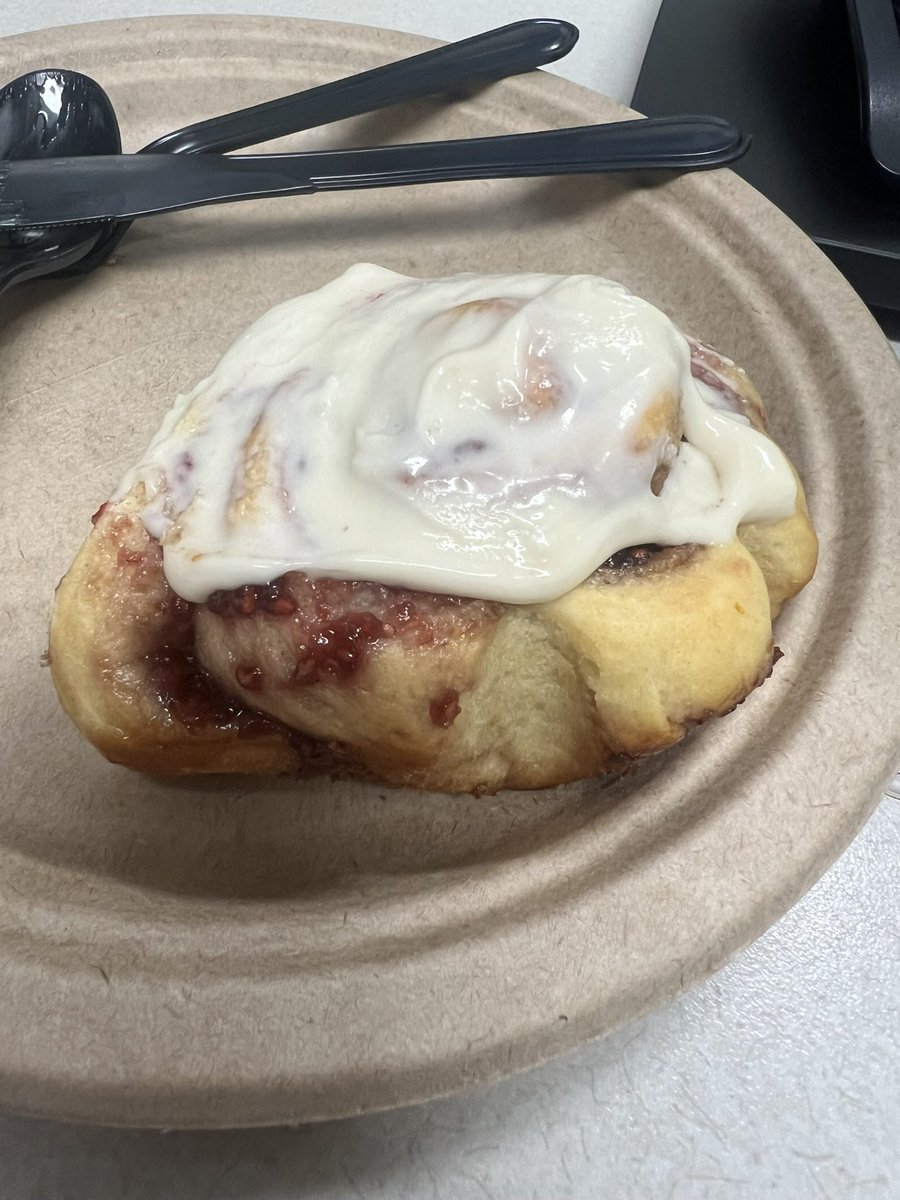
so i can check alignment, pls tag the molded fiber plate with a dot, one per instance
(243, 951)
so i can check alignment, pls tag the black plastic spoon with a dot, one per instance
(52, 114)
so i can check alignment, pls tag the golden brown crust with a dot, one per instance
(109, 611)
(533, 696)
(431, 692)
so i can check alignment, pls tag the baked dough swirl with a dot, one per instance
(307, 673)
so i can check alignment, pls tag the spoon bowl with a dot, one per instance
(52, 113)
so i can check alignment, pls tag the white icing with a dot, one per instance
(376, 430)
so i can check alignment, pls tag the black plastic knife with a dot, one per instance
(66, 191)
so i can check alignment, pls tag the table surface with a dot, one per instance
(779, 1077)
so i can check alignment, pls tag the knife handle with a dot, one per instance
(675, 143)
(509, 50)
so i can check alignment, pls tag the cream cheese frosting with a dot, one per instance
(496, 436)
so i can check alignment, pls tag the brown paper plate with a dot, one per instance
(242, 951)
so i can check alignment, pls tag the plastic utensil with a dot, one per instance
(496, 54)
(50, 114)
(106, 188)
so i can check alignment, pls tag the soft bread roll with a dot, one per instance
(116, 621)
(475, 697)
(439, 692)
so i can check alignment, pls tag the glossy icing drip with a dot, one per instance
(488, 436)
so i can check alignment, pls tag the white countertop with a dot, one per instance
(779, 1077)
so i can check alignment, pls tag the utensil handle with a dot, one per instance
(509, 50)
(664, 142)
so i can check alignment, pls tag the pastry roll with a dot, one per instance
(463, 534)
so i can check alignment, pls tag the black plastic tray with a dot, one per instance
(784, 71)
